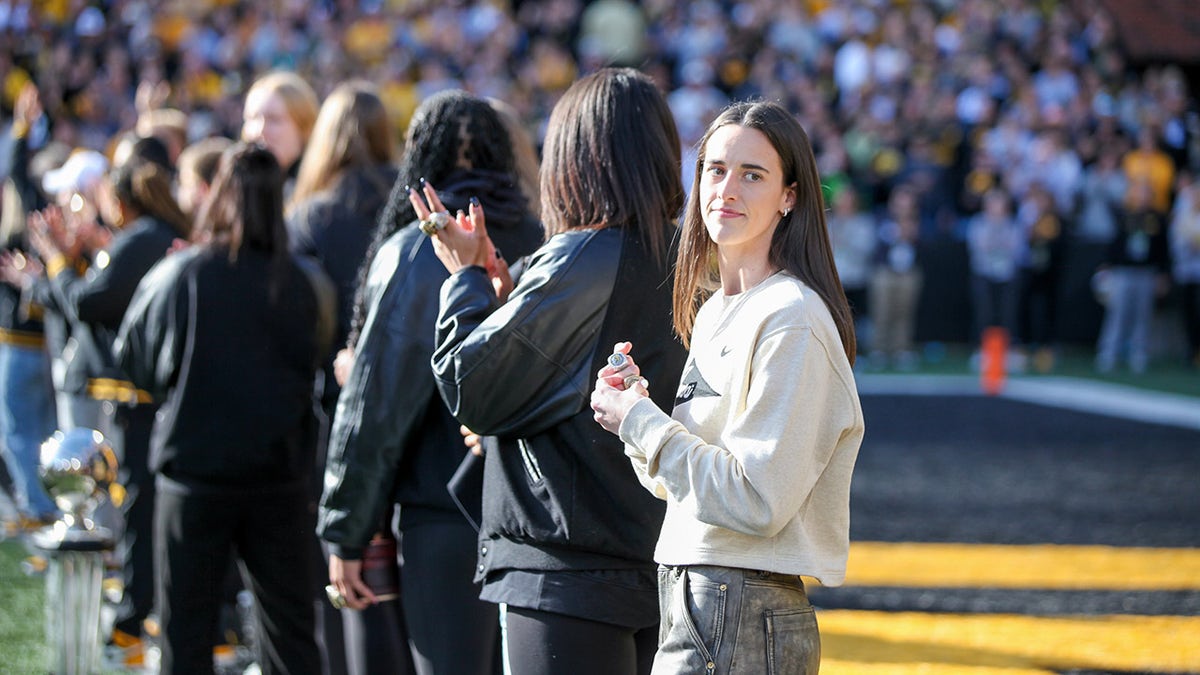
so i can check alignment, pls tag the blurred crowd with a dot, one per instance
(1017, 129)
(928, 106)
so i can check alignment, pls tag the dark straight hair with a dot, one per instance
(244, 209)
(800, 243)
(611, 159)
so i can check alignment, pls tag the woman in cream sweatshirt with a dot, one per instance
(755, 460)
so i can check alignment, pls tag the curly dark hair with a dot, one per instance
(450, 131)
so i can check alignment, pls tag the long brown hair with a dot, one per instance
(611, 158)
(800, 244)
(351, 130)
(145, 188)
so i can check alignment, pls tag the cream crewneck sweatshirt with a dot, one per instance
(755, 460)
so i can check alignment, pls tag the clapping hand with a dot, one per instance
(18, 270)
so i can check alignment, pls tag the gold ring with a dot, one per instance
(335, 598)
(435, 222)
(631, 380)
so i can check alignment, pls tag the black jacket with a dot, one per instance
(393, 441)
(1141, 241)
(95, 303)
(559, 493)
(232, 367)
(335, 228)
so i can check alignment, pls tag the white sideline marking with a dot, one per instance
(1101, 398)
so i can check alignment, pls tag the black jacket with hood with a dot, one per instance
(393, 441)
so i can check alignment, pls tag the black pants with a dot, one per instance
(373, 639)
(450, 630)
(544, 643)
(130, 428)
(376, 640)
(1190, 301)
(1041, 306)
(270, 532)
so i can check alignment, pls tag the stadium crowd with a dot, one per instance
(1015, 128)
(945, 101)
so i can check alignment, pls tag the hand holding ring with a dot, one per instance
(335, 597)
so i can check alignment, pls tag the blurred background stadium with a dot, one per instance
(1052, 529)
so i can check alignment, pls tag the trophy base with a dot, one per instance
(59, 537)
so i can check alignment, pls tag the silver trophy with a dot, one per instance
(78, 469)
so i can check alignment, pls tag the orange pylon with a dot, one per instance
(993, 356)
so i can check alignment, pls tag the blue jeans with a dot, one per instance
(26, 419)
(1127, 318)
(722, 620)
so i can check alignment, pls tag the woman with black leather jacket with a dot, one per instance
(567, 533)
(393, 444)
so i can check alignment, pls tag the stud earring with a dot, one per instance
(787, 211)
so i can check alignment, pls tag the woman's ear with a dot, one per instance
(788, 202)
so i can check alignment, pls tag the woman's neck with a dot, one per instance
(739, 274)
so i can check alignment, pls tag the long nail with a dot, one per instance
(422, 181)
(475, 201)
(408, 189)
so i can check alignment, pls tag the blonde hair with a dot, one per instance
(297, 96)
(351, 130)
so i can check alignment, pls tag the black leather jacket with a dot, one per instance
(559, 493)
(392, 440)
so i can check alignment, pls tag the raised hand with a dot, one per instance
(460, 240)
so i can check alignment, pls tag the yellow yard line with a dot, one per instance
(1034, 567)
(838, 667)
(1011, 643)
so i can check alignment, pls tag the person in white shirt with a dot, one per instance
(756, 458)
